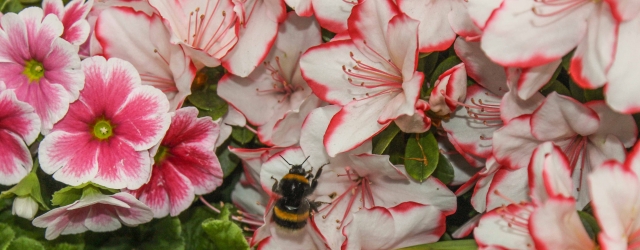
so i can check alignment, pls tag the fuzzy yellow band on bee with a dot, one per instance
(292, 217)
(297, 177)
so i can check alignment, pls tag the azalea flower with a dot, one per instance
(435, 31)
(371, 75)
(233, 117)
(19, 127)
(548, 221)
(205, 29)
(73, 17)
(42, 68)
(587, 133)
(258, 27)
(332, 15)
(97, 213)
(185, 165)
(106, 136)
(161, 64)
(275, 97)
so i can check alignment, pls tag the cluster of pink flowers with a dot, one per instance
(105, 82)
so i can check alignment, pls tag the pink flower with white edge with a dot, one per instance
(42, 68)
(97, 213)
(146, 45)
(332, 15)
(106, 136)
(73, 17)
(587, 133)
(275, 97)
(205, 29)
(185, 165)
(19, 127)
(372, 75)
(258, 27)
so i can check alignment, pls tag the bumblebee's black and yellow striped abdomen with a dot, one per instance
(291, 217)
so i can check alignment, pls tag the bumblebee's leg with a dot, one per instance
(314, 205)
(275, 188)
(309, 174)
(314, 182)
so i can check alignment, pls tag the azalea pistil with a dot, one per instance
(34, 70)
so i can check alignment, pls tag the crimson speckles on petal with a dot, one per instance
(106, 135)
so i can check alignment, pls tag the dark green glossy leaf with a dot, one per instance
(382, 140)
(566, 61)
(593, 94)
(209, 103)
(69, 194)
(576, 92)
(442, 67)
(242, 135)
(192, 231)
(590, 224)
(165, 233)
(6, 236)
(228, 161)
(421, 156)
(444, 170)
(225, 234)
(555, 86)
(11, 6)
(25, 243)
(446, 245)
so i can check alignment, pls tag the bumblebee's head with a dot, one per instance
(296, 169)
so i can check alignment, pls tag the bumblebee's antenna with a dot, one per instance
(285, 160)
(305, 160)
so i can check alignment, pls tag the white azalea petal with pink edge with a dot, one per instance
(508, 186)
(453, 84)
(255, 38)
(481, 10)
(621, 89)
(563, 117)
(615, 204)
(333, 15)
(624, 10)
(435, 32)
(556, 225)
(480, 68)
(514, 143)
(286, 132)
(549, 174)
(612, 123)
(513, 106)
(532, 79)
(594, 54)
(510, 31)
(367, 26)
(161, 64)
(505, 228)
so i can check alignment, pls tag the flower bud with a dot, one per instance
(25, 207)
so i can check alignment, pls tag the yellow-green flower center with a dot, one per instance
(162, 154)
(33, 70)
(102, 129)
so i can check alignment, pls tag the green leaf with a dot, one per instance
(228, 161)
(576, 92)
(421, 156)
(590, 224)
(593, 94)
(442, 67)
(225, 234)
(382, 140)
(242, 135)
(10, 6)
(446, 245)
(209, 103)
(68, 195)
(6, 236)
(566, 61)
(555, 86)
(25, 243)
(192, 232)
(444, 170)
(28, 186)
(165, 233)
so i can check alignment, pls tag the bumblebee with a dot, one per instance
(292, 209)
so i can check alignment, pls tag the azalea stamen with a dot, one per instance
(240, 218)
(556, 5)
(386, 91)
(164, 84)
(284, 86)
(160, 55)
(388, 61)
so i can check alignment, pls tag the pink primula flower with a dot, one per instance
(73, 17)
(42, 68)
(275, 97)
(185, 165)
(19, 127)
(106, 136)
(97, 213)
(206, 29)
(372, 76)
(146, 45)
